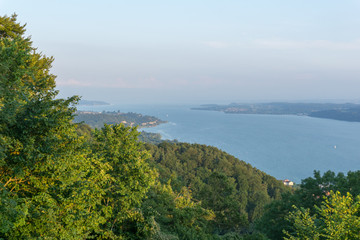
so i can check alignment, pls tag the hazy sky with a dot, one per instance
(198, 51)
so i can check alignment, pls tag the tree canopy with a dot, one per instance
(46, 178)
(336, 218)
(312, 193)
(52, 184)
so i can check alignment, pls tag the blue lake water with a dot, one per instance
(283, 146)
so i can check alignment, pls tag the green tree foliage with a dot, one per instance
(336, 218)
(232, 189)
(176, 215)
(163, 214)
(274, 221)
(59, 180)
(154, 138)
(219, 194)
(130, 175)
(310, 195)
(85, 131)
(49, 187)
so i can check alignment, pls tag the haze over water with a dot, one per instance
(284, 146)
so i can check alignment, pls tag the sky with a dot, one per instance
(198, 52)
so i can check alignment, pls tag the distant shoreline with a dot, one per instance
(343, 112)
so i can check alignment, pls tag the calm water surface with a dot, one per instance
(283, 146)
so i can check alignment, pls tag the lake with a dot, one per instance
(284, 146)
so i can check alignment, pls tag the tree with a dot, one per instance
(176, 215)
(130, 176)
(220, 195)
(49, 185)
(336, 218)
(310, 195)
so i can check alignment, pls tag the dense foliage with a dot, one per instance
(336, 218)
(234, 190)
(310, 195)
(154, 138)
(49, 186)
(53, 183)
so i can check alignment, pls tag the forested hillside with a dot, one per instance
(233, 189)
(229, 194)
(62, 180)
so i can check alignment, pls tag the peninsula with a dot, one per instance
(343, 112)
(98, 119)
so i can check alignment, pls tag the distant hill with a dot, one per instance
(344, 112)
(350, 114)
